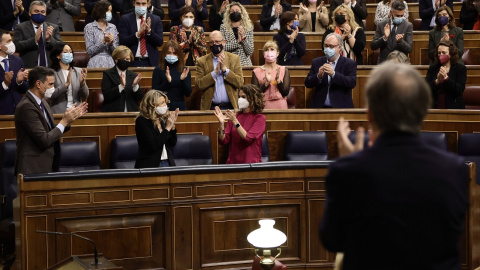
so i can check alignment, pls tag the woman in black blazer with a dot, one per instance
(271, 13)
(120, 86)
(156, 133)
(291, 43)
(447, 77)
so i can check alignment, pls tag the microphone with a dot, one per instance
(95, 253)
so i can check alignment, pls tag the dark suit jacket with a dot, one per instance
(113, 100)
(266, 18)
(117, 6)
(426, 12)
(341, 86)
(128, 7)
(454, 86)
(37, 146)
(386, 47)
(6, 14)
(434, 37)
(151, 141)
(11, 97)
(286, 46)
(360, 10)
(402, 199)
(174, 12)
(468, 16)
(24, 39)
(127, 33)
(63, 15)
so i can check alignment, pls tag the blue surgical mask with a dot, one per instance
(141, 10)
(38, 18)
(329, 52)
(295, 25)
(397, 20)
(171, 59)
(108, 16)
(67, 58)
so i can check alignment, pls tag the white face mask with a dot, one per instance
(49, 92)
(187, 22)
(243, 103)
(10, 48)
(161, 110)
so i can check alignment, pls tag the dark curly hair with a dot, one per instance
(452, 49)
(56, 51)
(254, 96)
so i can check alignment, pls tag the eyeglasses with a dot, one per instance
(216, 42)
(330, 46)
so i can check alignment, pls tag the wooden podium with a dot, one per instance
(82, 262)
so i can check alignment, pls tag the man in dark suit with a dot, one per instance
(154, 7)
(38, 137)
(200, 6)
(393, 33)
(13, 12)
(333, 76)
(402, 200)
(427, 11)
(61, 12)
(142, 32)
(34, 39)
(13, 78)
(359, 8)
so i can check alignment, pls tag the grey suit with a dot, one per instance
(59, 100)
(63, 15)
(391, 44)
(24, 39)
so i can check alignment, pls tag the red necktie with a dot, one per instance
(143, 41)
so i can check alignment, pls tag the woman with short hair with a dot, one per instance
(291, 43)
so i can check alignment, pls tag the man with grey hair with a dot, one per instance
(333, 76)
(35, 38)
(393, 33)
(401, 199)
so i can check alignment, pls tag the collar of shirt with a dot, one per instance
(35, 97)
(1, 58)
(35, 27)
(139, 18)
(334, 62)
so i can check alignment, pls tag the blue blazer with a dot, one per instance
(402, 199)
(127, 33)
(12, 96)
(174, 12)
(341, 87)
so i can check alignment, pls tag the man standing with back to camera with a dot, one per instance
(401, 203)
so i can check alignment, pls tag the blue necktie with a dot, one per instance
(41, 50)
(44, 113)
(5, 64)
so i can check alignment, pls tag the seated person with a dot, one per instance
(244, 130)
(383, 11)
(469, 14)
(398, 57)
(155, 130)
(190, 37)
(172, 77)
(447, 77)
(445, 30)
(61, 12)
(291, 43)
(237, 28)
(271, 12)
(272, 79)
(101, 37)
(70, 82)
(354, 39)
(313, 16)
(120, 86)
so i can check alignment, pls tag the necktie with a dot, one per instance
(143, 41)
(394, 32)
(46, 115)
(41, 50)
(5, 64)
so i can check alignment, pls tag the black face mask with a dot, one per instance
(340, 19)
(123, 64)
(235, 16)
(216, 49)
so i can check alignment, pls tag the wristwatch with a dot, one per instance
(237, 125)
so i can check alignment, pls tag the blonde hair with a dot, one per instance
(246, 22)
(149, 103)
(351, 17)
(270, 44)
(122, 52)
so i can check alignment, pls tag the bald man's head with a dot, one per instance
(398, 97)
